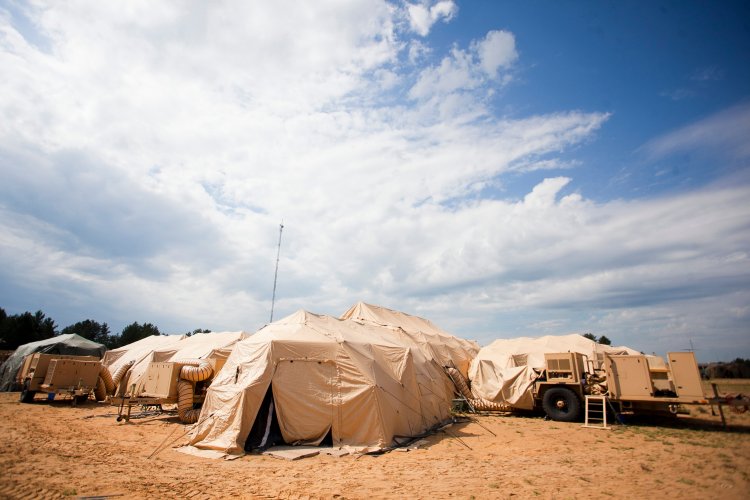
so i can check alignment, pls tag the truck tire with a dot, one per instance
(27, 396)
(561, 404)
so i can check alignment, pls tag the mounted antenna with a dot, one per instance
(276, 273)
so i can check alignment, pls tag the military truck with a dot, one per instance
(53, 374)
(629, 383)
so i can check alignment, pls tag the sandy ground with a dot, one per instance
(53, 450)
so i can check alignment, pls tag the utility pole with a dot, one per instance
(276, 273)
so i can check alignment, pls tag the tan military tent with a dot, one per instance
(325, 377)
(163, 348)
(504, 371)
(435, 343)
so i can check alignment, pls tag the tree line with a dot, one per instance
(19, 329)
(601, 340)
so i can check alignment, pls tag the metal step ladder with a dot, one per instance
(595, 416)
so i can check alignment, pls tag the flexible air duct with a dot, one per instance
(479, 404)
(109, 384)
(117, 376)
(460, 382)
(120, 378)
(100, 391)
(185, 409)
(122, 387)
(196, 370)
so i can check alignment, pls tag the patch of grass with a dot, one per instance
(69, 492)
(494, 486)
(528, 481)
(727, 385)
(689, 482)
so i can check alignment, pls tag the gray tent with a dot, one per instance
(62, 344)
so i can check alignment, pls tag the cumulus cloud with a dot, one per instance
(151, 152)
(496, 50)
(648, 273)
(468, 70)
(422, 16)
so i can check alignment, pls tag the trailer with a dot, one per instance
(58, 374)
(181, 383)
(623, 383)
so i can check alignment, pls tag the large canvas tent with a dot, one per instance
(504, 371)
(140, 354)
(69, 344)
(435, 343)
(325, 377)
(130, 353)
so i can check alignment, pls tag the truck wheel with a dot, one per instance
(27, 396)
(561, 404)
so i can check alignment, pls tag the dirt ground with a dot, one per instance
(54, 450)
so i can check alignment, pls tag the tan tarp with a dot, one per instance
(326, 374)
(505, 370)
(169, 348)
(435, 343)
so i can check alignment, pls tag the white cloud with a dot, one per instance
(651, 274)
(422, 16)
(468, 70)
(497, 50)
(456, 72)
(724, 133)
(707, 74)
(143, 118)
(150, 153)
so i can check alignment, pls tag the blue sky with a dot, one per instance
(501, 168)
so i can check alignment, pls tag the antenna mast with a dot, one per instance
(276, 273)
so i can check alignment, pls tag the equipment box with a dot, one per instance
(70, 374)
(161, 380)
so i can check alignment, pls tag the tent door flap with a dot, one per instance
(303, 391)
